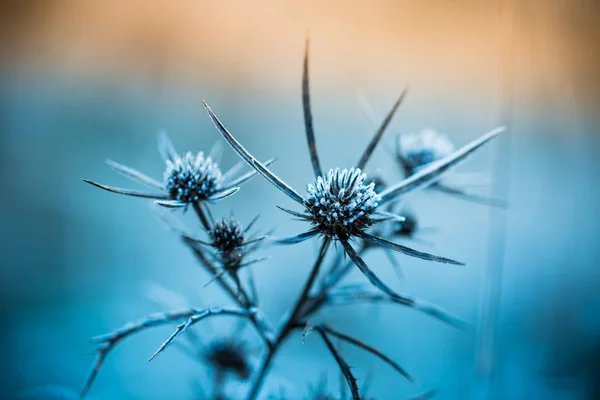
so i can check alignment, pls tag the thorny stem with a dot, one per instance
(331, 280)
(108, 341)
(290, 323)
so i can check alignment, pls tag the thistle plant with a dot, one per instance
(415, 151)
(188, 180)
(340, 206)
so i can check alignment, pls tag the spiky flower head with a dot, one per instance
(227, 235)
(340, 203)
(229, 356)
(190, 178)
(421, 148)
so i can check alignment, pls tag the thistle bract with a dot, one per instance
(340, 204)
(419, 149)
(192, 178)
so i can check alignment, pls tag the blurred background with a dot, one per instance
(86, 81)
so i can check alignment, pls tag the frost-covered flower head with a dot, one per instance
(192, 178)
(188, 179)
(341, 204)
(227, 235)
(232, 245)
(416, 150)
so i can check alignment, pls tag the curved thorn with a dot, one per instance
(390, 215)
(298, 238)
(255, 240)
(371, 350)
(462, 194)
(251, 224)
(342, 297)
(135, 175)
(214, 278)
(233, 171)
(127, 192)
(223, 194)
(197, 317)
(435, 170)
(108, 341)
(407, 250)
(100, 357)
(308, 122)
(170, 203)
(254, 261)
(166, 148)
(253, 162)
(294, 213)
(344, 367)
(378, 283)
(216, 151)
(247, 176)
(379, 134)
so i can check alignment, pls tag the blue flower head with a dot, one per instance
(416, 150)
(192, 178)
(188, 180)
(340, 203)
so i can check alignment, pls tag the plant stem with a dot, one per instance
(202, 216)
(262, 371)
(332, 279)
(238, 295)
(290, 323)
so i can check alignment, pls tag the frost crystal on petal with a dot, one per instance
(422, 148)
(192, 178)
(341, 203)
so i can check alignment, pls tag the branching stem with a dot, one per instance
(239, 295)
(291, 323)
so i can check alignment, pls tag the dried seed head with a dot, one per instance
(340, 204)
(192, 178)
(227, 235)
(229, 356)
(422, 148)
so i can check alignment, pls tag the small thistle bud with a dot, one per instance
(192, 178)
(227, 235)
(340, 204)
(229, 356)
(419, 149)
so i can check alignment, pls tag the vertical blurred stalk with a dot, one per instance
(492, 290)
